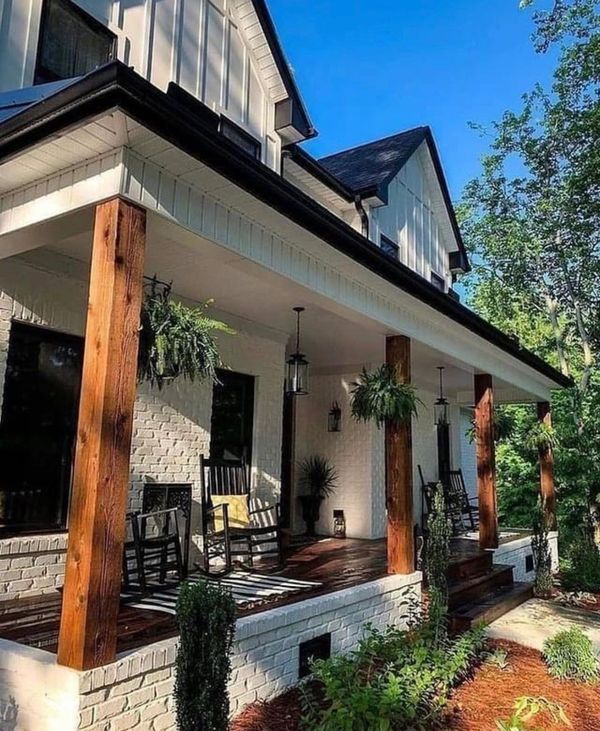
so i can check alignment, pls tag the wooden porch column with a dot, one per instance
(399, 488)
(486, 461)
(547, 469)
(88, 629)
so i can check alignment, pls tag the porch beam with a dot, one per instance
(88, 628)
(399, 488)
(486, 461)
(546, 457)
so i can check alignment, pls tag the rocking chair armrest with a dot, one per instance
(211, 510)
(267, 509)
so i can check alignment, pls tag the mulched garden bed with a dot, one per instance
(477, 703)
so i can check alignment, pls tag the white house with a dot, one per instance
(164, 138)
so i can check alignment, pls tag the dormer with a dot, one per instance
(223, 52)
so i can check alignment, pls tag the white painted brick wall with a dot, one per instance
(515, 554)
(31, 565)
(172, 426)
(136, 691)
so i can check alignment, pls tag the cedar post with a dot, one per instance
(88, 628)
(398, 453)
(546, 456)
(486, 461)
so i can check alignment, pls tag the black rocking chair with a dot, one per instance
(221, 531)
(463, 516)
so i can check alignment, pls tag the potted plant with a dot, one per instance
(318, 480)
(176, 340)
(380, 397)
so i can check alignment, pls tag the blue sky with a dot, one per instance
(370, 69)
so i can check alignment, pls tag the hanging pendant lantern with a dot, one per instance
(440, 408)
(297, 366)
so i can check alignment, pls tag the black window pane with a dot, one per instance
(37, 428)
(241, 138)
(438, 282)
(71, 43)
(389, 247)
(232, 417)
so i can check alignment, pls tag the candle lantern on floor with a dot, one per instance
(339, 524)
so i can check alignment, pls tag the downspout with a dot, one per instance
(364, 216)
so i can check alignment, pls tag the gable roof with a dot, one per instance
(368, 170)
(370, 167)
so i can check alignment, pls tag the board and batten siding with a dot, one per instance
(214, 49)
(411, 220)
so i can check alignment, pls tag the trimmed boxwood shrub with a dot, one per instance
(206, 619)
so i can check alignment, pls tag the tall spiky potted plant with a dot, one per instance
(318, 480)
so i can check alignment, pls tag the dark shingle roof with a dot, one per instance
(16, 100)
(369, 166)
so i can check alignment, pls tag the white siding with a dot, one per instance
(199, 44)
(411, 219)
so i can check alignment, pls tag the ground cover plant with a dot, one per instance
(570, 656)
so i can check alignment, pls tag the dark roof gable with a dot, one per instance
(369, 167)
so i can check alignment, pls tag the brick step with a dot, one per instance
(475, 588)
(493, 606)
(468, 567)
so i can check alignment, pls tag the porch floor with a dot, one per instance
(335, 564)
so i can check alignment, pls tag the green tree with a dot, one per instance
(532, 222)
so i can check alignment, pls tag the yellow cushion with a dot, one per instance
(238, 511)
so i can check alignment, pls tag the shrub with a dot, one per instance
(437, 561)
(542, 558)
(580, 570)
(393, 680)
(570, 656)
(206, 619)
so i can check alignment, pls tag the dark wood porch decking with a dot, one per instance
(336, 564)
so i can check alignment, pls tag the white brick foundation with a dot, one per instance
(136, 691)
(31, 565)
(515, 553)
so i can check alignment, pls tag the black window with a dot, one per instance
(438, 282)
(72, 43)
(241, 138)
(232, 418)
(37, 428)
(389, 247)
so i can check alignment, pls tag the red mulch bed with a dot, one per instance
(490, 695)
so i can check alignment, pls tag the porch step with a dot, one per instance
(473, 589)
(467, 567)
(492, 606)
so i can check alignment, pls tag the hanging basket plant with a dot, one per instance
(379, 396)
(541, 437)
(176, 341)
(504, 427)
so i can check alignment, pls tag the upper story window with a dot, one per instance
(389, 247)
(72, 42)
(241, 138)
(438, 282)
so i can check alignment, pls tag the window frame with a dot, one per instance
(41, 74)
(391, 248)
(245, 136)
(438, 281)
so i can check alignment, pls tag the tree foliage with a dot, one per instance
(532, 222)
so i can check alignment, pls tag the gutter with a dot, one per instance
(193, 128)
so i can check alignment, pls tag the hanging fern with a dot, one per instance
(541, 437)
(504, 427)
(378, 396)
(176, 340)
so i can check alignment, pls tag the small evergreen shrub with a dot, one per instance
(206, 619)
(570, 656)
(437, 557)
(542, 558)
(580, 571)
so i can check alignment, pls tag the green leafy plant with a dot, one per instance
(570, 656)
(504, 425)
(206, 620)
(176, 340)
(318, 477)
(393, 680)
(541, 437)
(580, 569)
(380, 397)
(542, 558)
(437, 558)
(498, 658)
(527, 708)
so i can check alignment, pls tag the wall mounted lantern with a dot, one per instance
(440, 408)
(296, 383)
(334, 419)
